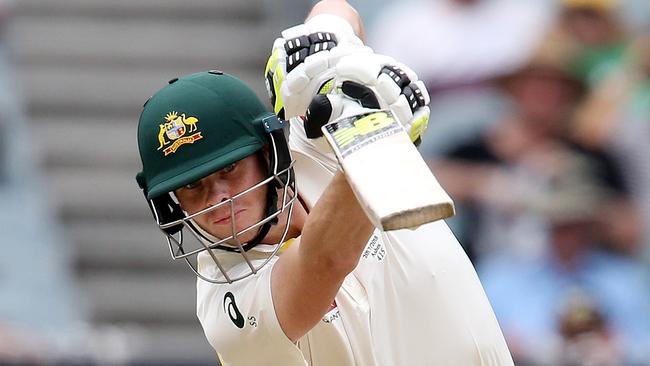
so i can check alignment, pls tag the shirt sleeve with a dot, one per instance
(240, 323)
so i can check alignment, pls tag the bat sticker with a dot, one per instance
(352, 133)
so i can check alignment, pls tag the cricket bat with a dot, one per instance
(385, 170)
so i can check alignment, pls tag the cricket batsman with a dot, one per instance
(290, 269)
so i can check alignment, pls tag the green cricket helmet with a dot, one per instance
(193, 127)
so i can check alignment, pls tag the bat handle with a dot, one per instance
(329, 107)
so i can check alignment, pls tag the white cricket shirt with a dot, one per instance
(414, 299)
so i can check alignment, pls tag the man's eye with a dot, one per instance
(191, 185)
(229, 168)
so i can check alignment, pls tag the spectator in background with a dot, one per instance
(615, 117)
(586, 336)
(596, 26)
(534, 299)
(495, 174)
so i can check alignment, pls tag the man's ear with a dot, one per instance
(265, 152)
(264, 159)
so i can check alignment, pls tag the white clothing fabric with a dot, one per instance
(449, 43)
(413, 299)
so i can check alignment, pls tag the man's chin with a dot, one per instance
(219, 232)
(242, 238)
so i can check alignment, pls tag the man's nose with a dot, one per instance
(217, 192)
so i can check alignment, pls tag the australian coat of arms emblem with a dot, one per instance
(177, 131)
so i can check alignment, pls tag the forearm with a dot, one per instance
(307, 276)
(337, 228)
(342, 9)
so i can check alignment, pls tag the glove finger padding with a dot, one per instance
(322, 109)
(318, 114)
(274, 75)
(325, 108)
(302, 62)
(362, 93)
(306, 132)
(380, 82)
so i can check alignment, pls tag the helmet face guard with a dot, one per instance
(192, 128)
(176, 230)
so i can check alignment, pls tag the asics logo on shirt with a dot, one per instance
(231, 309)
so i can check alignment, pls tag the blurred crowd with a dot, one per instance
(540, 131)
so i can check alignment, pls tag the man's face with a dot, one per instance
(220, 186)
(544, 97)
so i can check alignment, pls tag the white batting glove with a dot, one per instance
(362, 82)
(380, 82)
(302, 62)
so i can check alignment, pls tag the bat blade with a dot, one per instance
(390, 179)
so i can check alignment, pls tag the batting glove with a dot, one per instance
(302, 62)
(375, 82)
(380, 82)
(362, 82)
